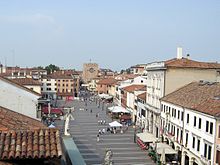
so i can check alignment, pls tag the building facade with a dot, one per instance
(19, 98)
(166, 76)
(189, 122)
(90, 71)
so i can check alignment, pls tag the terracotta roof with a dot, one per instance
(142, 96)
(132, 88)
(107, 81)
(18, 85)
(125, 76)
(26, 81)
(200, 96)
(187, 63)
(43, 143)
(10, 120)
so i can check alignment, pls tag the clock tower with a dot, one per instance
(90, 71)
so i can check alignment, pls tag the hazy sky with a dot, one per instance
(114, 33)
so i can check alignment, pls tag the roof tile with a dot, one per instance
(199, 96)
(29, 144)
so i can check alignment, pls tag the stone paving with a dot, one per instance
(84, 129)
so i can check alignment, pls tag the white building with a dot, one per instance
(19, 98)
(139, 80)
(166, 76)
(49, 87)
(141, 110)
(188, 121)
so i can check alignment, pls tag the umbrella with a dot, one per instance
(51, 126)
(103, 95)
(118, 109)
(115, 124)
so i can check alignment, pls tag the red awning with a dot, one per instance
(57, 111)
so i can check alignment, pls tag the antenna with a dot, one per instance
(5, 61)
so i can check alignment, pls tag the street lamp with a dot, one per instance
(135, 131)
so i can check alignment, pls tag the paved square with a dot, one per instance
(84, 129)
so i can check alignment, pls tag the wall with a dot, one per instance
(102, 88)
(18, 100)
(35, 88)
(88, 73)
(178, 77)
(198, 133)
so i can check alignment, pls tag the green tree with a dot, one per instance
(51, 68)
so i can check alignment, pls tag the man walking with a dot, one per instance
(98, 138)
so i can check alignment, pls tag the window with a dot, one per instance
(143, 112)
(209, 152)
(49, 89)
(187, 119)
(211, 128)
(182, 116)
(193, 143)
(207, 126)
(205, 150)
(177, 136)
(198, 144)
(200, 122)
(218, 131)
(194, 121)
(178, 115)
(186, 139)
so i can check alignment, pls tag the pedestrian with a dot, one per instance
(103, 122)
(97, 138)
(96, 115)
(91, 111)
(86, 109)
(103, 130)
(100, 121)
(100, 132)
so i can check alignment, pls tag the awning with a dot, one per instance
(115, 124)
(164, 148)
(104, 96)
(146, 137)
(57, 111)
(118, 109)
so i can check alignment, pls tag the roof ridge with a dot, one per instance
(18, 85)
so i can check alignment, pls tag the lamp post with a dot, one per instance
(135, 130)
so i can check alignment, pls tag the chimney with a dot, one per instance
(188, 56)
(179, 53)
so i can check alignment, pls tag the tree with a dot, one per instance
(51, 68)
(40, 67)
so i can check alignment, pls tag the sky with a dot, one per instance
(116, 34)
